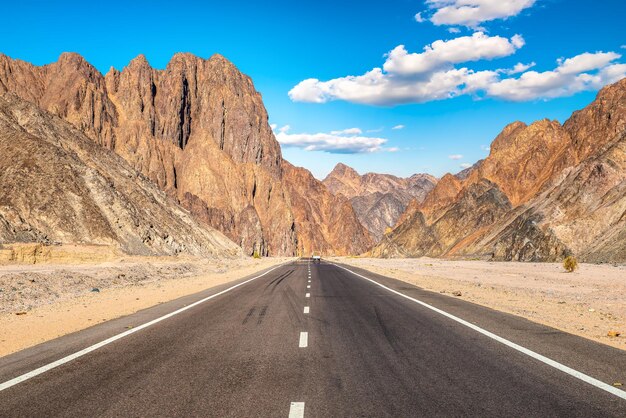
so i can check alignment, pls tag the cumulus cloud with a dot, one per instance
(346, 141)
(397, 127)
(440, 72)
(415, 77)
(455, 157)
(349, 131)
(418, 17)
(471, 13)
(519, 68)
(440, 53)
(465, 165)
(454, 30)
(587, 71)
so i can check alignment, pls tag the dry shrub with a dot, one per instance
(570, 264)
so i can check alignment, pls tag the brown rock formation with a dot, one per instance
(198, 129)
(554, 190)
(325, 223)
(57, 185)
(378, 199)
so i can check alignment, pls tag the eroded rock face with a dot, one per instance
(198, 129)
(554, 190)
(378, 199)
(57, 185)
(324, 223)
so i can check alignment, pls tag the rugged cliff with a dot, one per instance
(553, 190)
(198, 129)
(378, 199)
(57, 185)
(325, 223)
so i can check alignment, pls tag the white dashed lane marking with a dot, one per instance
(308, 295)
(306, 309)
(304, 340)
(296, 410)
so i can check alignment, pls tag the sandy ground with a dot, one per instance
(43, 301)
(589, 302)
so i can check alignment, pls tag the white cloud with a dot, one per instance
(519, 68)
(471, 13)
(397, 127)
(273, 126)
(418, 17)
(455, 157)
(454, 30)
(465, 165)
(349, 131)
(586, 62)
(415, 77)
(588, 71)
(438, 73)
(346, 141)
(440, 53)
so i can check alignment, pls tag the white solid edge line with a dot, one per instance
(306, 309)
(296, 410)
(304, 340)
(91, 348)
(575, 373)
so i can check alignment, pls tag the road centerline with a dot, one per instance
(304, 340)
(296, 410)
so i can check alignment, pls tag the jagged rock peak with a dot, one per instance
(139, 61)
(343, 169)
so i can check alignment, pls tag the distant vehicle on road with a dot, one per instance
(316, 258)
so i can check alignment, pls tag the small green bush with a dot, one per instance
(570, 264)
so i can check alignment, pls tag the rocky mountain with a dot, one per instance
(323, 221)
(198, 129)
(546, 190)
(378, 199)
(57, 185)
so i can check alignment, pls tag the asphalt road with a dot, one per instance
(359, 350)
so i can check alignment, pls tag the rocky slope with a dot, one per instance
(58, 186)
(378, 199)
(324, 223)
(545, 191)
(198, 129)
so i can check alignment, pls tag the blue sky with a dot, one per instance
(284, 43)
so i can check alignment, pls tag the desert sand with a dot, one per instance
(589, 302)
(39, 302)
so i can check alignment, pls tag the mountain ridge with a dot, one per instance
(198, 129)
(554, 190)
(378, 199)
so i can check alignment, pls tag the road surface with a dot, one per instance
(316, 340)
